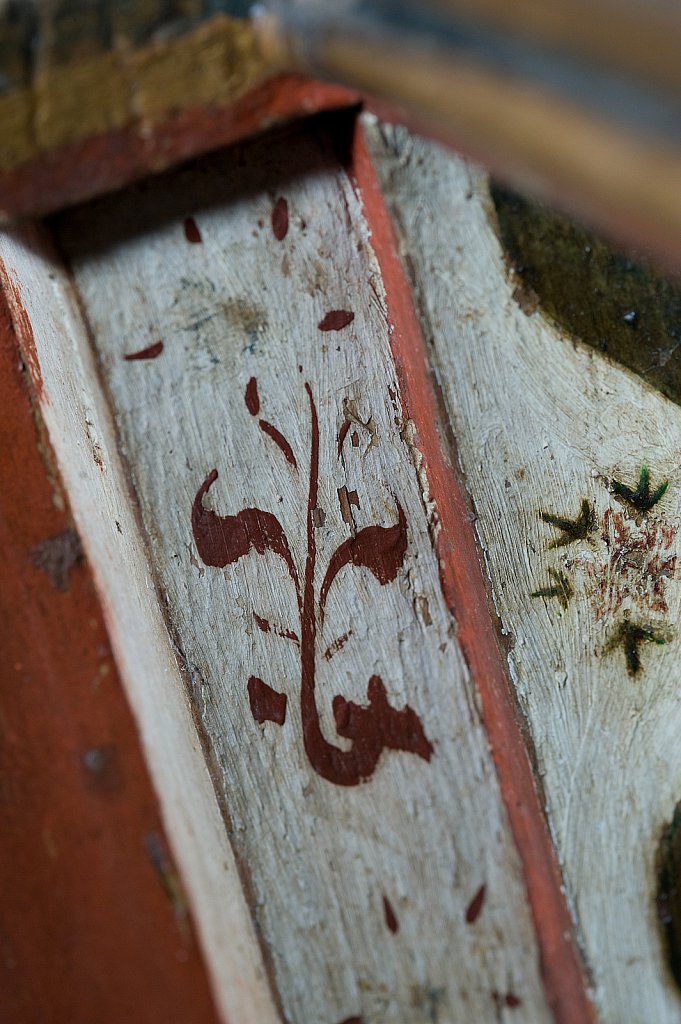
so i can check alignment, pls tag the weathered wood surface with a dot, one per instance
(548, 431)
(238, 317)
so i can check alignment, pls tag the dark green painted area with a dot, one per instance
(561, 589)
(630, 636)
(641, 499)
(604, 298)
(571, 529)
(668, 896)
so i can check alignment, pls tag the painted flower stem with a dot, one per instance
(225, 539)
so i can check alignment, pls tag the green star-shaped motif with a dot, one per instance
(561, 588)
(630, 636)
(640, 499)
(572, 529)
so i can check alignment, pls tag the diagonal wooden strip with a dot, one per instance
(94, 923)
(466, 592)
(111, 158)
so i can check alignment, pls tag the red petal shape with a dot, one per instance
(267, 705)
(336, 320)
(378, 726)
(380, 549)
(222, 540)
(150, 352)
(251, 397)
(280, 219)
(191, 231)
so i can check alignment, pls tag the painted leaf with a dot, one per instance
(336, 320)
(267, 704)
(251, 397)
(378, 726)
(380, 549)
(222, 540)
(252, 400)
(280, 219)
(279, 440)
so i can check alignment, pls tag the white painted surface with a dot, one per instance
(541, 423)
(319, 857)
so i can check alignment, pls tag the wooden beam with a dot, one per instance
(95, 924)
(463, 582)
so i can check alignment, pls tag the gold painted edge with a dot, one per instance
(210, 66)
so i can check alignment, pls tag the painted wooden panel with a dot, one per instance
(581, 546)
(238, 316)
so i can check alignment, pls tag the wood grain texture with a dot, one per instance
(581, 554)
(292, 536)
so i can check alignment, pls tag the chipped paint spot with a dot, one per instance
(102, 769)
(57, 556)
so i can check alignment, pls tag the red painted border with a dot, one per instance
(466, 595)
(93, 924)
(88, 168)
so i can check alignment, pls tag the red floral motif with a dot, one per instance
(633, 569)
(222, 540)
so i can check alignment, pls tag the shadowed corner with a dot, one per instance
(668, 894)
